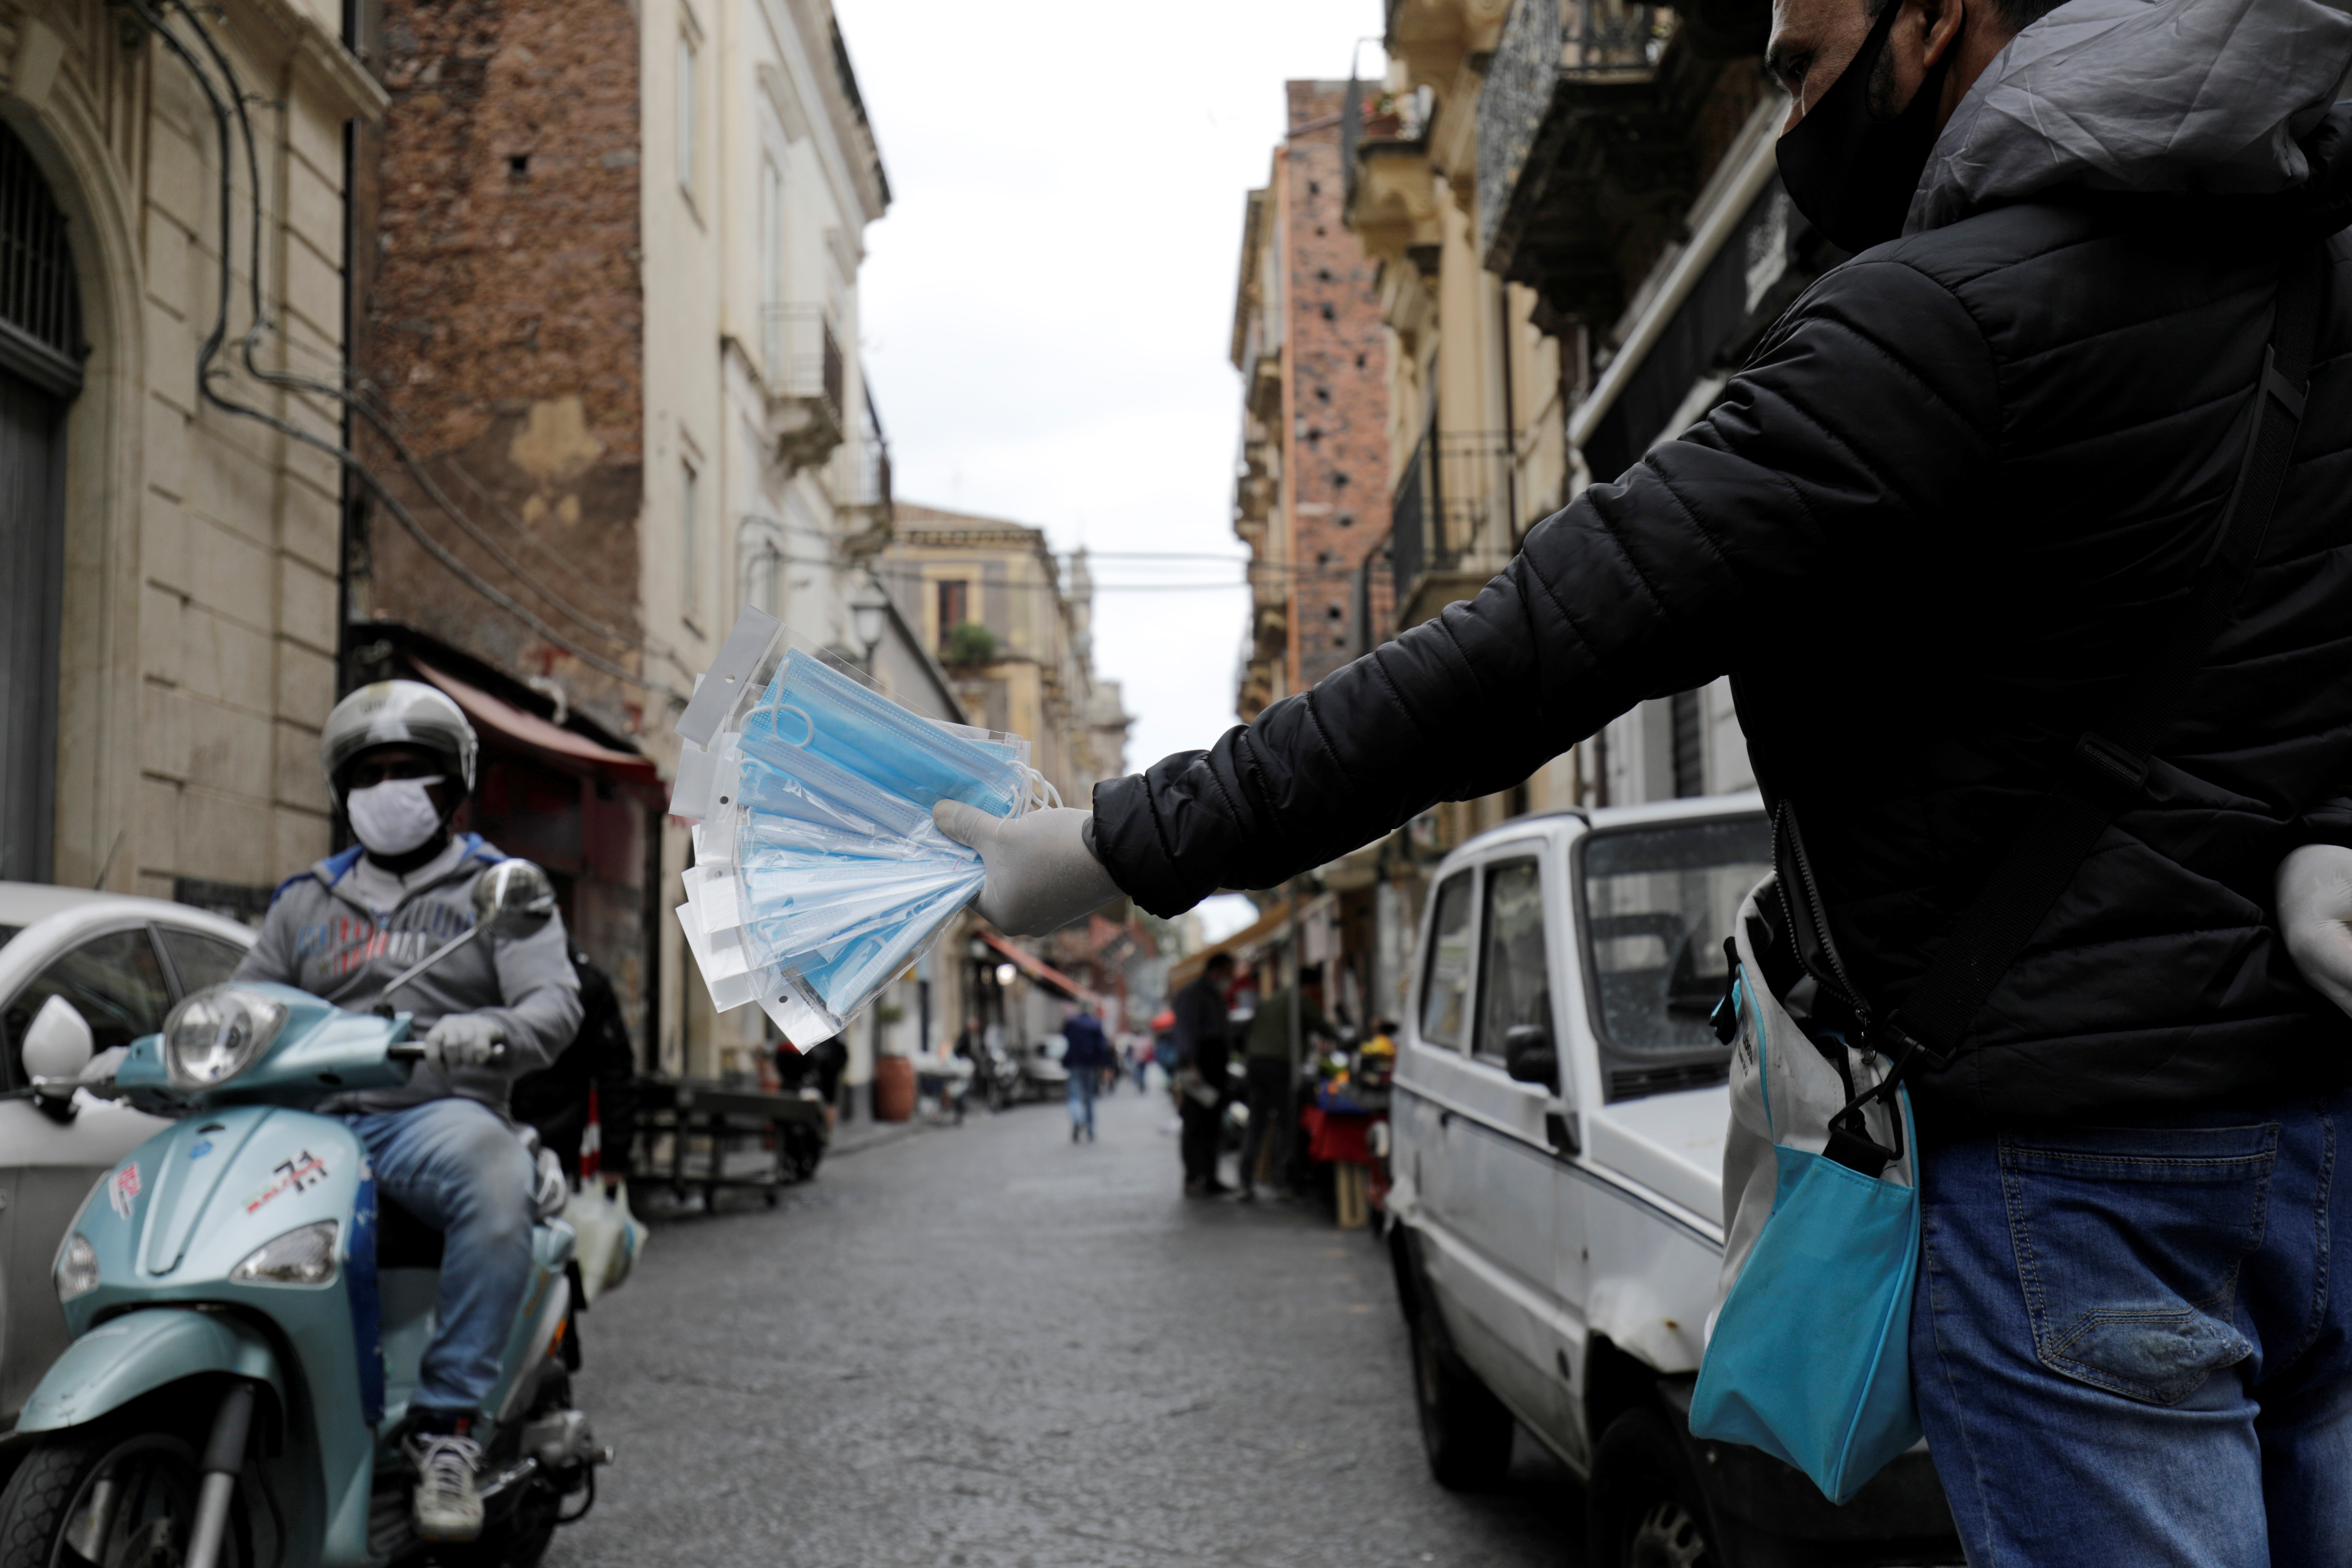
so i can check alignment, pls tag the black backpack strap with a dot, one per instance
(2109, 766)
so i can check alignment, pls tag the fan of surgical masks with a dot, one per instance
(819, 876)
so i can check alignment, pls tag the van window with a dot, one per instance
(1515, 987)
(1658, 902)
(1445, 989)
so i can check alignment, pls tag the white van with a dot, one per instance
(1557, 1215)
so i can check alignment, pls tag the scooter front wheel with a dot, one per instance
(118, 1493)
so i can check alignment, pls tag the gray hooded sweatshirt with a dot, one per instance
(321, 938)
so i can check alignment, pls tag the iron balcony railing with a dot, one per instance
(1608, 36)
(862, 477)
(803, 357)
(1458, 494)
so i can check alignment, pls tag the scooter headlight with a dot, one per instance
(214, 1034)
(304, 1257)
(77, 1270)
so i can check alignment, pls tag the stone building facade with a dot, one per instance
(1310, 500)
(613, 315)
(169, 552)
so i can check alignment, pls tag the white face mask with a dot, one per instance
(394, 816)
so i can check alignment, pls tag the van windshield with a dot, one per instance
(1658, 902)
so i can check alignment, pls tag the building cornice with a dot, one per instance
(282, 36)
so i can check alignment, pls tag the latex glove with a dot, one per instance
(1041, 875)
(465, 1040)
(2315, 905)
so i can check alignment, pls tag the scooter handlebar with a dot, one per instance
(414, 1051)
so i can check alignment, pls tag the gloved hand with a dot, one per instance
(1041, 875)
(2315, 905)
(464, 1040)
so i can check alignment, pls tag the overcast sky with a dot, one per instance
(1048, 308)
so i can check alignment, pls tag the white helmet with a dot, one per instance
(396, 713)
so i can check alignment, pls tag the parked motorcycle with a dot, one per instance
(248, 1321)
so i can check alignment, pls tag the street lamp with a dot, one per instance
(867, 614)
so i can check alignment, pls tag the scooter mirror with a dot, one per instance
(58, 1043)
(513, 898)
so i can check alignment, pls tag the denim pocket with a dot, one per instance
(2128, 1244)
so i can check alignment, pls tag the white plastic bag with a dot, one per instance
(610, 1237)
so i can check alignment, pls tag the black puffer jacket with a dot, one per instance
(1935, 523)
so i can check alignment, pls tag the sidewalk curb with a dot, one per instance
(888, 1133)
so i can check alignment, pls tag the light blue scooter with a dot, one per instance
(249, 1327)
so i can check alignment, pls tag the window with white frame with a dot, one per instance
(771, 264)
(686, 113)
(689, 533)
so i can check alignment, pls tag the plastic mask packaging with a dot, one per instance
(810, 708)
(820, 876)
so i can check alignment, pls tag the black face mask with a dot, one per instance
(1850, 172)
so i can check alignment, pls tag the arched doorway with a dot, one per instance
(41, 353)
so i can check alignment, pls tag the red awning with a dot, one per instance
(1039, 970)
(534, 733)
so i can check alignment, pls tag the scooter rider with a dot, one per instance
(399, 759)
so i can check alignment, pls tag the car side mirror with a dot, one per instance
(512, 899)
(59, 1044)
(1529, 1057)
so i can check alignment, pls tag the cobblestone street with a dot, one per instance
(983, 1345)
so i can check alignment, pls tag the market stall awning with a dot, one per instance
(1187, 969)
(1044, 974)
(512, 724)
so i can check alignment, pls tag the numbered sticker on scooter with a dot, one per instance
(300, 1174)
(123, 1189)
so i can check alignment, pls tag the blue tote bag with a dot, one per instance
(1808, 1352)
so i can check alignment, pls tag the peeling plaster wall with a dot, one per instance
(504, 324)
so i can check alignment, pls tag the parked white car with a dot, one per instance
(1557, 1215)
(120, 964)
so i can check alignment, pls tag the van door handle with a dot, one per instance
(1561, 1132)
(1445, 1119)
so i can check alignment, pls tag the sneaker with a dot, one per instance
(447, 1506)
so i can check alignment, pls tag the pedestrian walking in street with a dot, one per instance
(2022, 538)
(1087, 1058)
(1203, 1038)
(1270, 1058)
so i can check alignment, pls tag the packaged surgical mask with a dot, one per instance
(820, 876)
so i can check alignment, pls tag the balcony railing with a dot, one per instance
(863, 478)
(805, 384)
(1457, 495)
(803, 358)
(1549, 47)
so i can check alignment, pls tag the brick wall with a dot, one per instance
(1336, 360)
(503, 322)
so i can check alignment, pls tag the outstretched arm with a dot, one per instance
(1867, 416)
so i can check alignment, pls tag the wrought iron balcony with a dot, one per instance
(806, 376)
(1452, 519)
(1590, 125)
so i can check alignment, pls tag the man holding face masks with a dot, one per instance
(1950, 532)
(399, 758)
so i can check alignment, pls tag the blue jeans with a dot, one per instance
(1083, 1083)
(2124, 1343)
(459, 1168)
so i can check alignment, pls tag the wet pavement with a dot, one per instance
(983, 1345)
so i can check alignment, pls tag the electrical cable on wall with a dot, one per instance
(233, 108)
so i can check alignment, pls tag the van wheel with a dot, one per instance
(114, 1494)
(1465, 1430)
(1643, 1508)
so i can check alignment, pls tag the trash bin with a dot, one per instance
(894, 1089)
